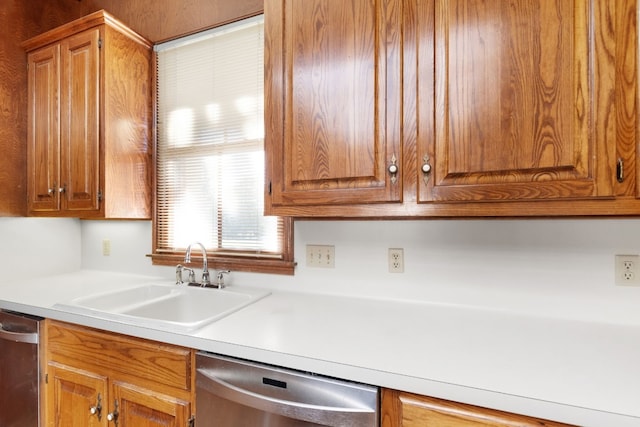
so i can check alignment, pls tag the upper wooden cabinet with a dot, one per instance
(89, 116)
(516, 88)
(333, 101)
(489, 108)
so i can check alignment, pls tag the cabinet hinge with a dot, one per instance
(99, 43)
(269, 187)
(46, 378)
(620, 170)
(192, 421)
(99, 195)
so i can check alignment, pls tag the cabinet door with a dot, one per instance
(43, 132)
(80, 122)
(75, 398)
(138, 407)
(409, 410)
(517, 102)
(333, 101)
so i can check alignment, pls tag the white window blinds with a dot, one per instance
(210, 148)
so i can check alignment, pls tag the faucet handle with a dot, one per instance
(220, 278)
(179, 269)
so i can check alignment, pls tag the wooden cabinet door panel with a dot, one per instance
(401, 409)
(138, 407)
(44, 124)
(74, 393)
(79, 114)
(517, 112)
(333, 100)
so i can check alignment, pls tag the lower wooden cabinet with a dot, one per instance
(98, 379)
(412, 410)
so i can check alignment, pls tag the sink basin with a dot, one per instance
(169, 307)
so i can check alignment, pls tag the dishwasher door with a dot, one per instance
(236, 393)
(19, 370)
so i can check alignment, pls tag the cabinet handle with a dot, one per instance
(62, 189)
(97, 409)
(426, 169)
(113, 416)
(393, 169)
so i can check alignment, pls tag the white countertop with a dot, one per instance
(578, 372)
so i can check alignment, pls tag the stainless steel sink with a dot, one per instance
(168, 307)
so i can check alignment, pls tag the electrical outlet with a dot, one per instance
(321, 256)
(396, 260)
(627, 270)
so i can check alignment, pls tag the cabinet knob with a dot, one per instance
(113, 416)
(61, 190)
(426, 169)
(393, 169)
(97, 409)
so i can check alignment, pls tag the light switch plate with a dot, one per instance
(322, 256)
(106, 247)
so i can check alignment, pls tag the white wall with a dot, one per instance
(34, 247)
(558, 267)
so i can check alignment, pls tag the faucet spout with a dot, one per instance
(205, 269)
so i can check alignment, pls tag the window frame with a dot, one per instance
(223, 260)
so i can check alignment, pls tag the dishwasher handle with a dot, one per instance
(24, 337)
(324, 415)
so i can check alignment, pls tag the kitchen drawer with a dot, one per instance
(144, 362)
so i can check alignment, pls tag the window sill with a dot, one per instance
(245, 264)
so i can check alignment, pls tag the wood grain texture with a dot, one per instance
(127, 122)
(148, 363)
(161, 20)
(333, 101)
(515, 102)
(137, 407)
(626, 50)
(520, 108)
(76, 392)
(149, 383)
(80, 122)
(104, 108)
(410, 410)
(19, 20)
(43, 139)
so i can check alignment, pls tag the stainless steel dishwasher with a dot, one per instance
(237, 393)
(19, 370)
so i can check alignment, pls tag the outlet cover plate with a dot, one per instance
(396, 260)
(627, 270)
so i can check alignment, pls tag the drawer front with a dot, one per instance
(144, 362)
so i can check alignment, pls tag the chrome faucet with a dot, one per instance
(205, 269)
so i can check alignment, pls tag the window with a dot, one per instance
(210, 152)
